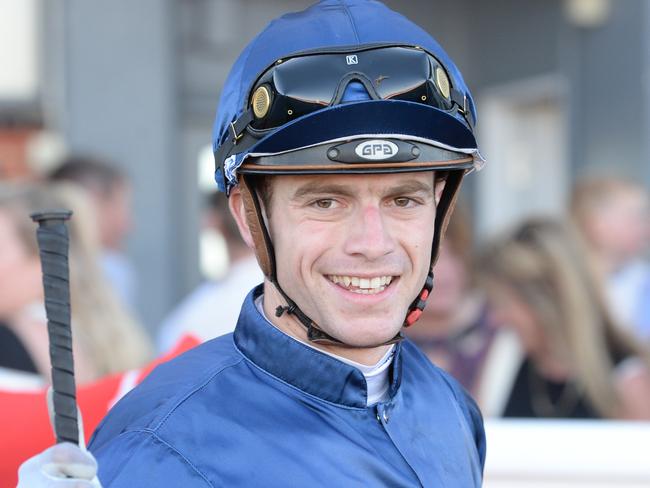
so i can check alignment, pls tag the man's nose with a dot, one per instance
(369, 234)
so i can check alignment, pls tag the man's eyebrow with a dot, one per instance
(402, 188)
(410, 187)
(316, 188)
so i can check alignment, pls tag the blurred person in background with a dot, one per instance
(454, 331)
(575, 362)
(614, 216)
(110, 193)
(107, 339)
(212, 309)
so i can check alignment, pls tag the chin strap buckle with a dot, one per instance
(290, 309)
(420, 302)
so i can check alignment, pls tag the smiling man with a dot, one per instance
(342, 136)
(352, 250)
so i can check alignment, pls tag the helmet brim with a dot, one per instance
(411, 121)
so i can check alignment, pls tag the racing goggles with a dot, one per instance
(308, 82)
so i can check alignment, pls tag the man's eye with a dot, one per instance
(324, 203)
(402, 201)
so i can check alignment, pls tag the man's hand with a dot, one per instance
(63, 465)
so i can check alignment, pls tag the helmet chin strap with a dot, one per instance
(314, 333)
(317, 335)
(266, 258)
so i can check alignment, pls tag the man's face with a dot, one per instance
(354, 251)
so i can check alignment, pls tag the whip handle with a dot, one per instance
(53, 243)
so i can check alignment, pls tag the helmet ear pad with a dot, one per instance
(445, 209)
(254, 219)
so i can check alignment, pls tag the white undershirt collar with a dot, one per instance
(376, 375)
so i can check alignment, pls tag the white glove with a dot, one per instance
(64, 465)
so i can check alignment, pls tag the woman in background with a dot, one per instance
(106, 338)
(576, 362)
(613, 216)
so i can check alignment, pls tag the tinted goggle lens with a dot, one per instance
(302, 84)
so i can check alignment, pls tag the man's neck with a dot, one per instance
(291, 326)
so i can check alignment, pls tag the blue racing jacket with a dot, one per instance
(258, 408)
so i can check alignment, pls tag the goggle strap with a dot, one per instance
(461, 100)
(236, 131)
(238, 127)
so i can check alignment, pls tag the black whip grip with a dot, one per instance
(53, 244)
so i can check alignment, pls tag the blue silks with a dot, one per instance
(259, 408)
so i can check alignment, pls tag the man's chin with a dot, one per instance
(367, 336)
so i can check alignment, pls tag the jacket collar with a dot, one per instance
(299, 365)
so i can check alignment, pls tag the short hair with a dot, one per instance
(89, 172)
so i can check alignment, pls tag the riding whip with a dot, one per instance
(53, 243)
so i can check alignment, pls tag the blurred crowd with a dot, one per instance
(107, 336)
(549, 320)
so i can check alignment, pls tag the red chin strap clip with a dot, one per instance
(415, 311)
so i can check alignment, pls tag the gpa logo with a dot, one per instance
(376, 149)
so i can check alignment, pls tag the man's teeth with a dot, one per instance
(364, 286)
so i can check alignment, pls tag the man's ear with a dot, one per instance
(438, 186)
(236, 204)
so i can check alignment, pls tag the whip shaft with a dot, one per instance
(53, 244)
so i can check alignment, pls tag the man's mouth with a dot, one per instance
(362, 285)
